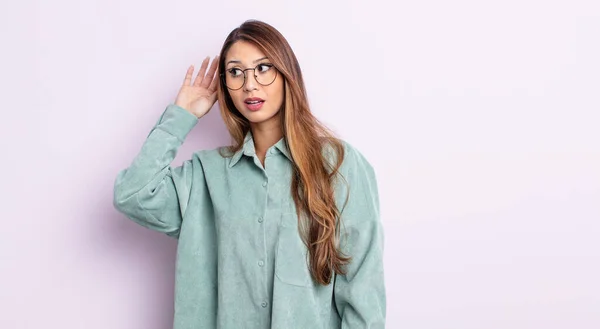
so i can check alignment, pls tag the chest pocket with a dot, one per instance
(291, 263)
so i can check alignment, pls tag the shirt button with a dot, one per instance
(264, 183)
(261, 263)
(273, 151)
(260, 219)
(264, 304)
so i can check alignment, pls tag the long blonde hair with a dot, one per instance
(313, 178)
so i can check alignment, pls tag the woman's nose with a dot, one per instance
(251, 82)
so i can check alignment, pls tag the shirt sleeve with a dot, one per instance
(150, 191)
(359, 295)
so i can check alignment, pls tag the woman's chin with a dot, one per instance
(258, 116)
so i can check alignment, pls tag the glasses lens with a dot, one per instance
(265, 74)
(234, 78)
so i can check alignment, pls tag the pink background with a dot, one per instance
(480, 118)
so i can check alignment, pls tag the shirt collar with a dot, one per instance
(249, 150)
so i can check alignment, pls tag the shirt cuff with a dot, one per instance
(177, 121)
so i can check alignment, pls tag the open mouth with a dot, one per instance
(254, 104)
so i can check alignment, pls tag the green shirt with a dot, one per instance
(241, 262)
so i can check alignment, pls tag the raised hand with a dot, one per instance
(199, 97)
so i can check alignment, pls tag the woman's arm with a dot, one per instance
(150, 191)
(360, 295)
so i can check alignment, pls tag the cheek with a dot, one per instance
(278, 92)
(237, 97)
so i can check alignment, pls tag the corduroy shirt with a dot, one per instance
(241, 262)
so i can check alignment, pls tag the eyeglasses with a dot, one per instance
(235, 78)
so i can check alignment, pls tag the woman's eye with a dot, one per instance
(264, 67)
(235, 72)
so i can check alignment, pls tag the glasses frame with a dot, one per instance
(223, 78)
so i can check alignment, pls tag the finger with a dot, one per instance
(213, 85)
(210, 77)
(188, 76)
(202, 71)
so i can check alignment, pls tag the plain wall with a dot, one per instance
(481, 120)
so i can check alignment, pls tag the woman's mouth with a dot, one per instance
(254, 103)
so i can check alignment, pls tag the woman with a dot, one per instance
(279, 230)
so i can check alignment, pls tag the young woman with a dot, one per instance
(279, 230)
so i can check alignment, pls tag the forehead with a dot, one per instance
(244, 52)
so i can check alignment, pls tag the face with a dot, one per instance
(265, 89)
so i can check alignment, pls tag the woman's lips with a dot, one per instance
(254, 106)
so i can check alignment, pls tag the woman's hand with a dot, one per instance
(199, 97)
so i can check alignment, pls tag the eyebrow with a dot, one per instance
(239, 62)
